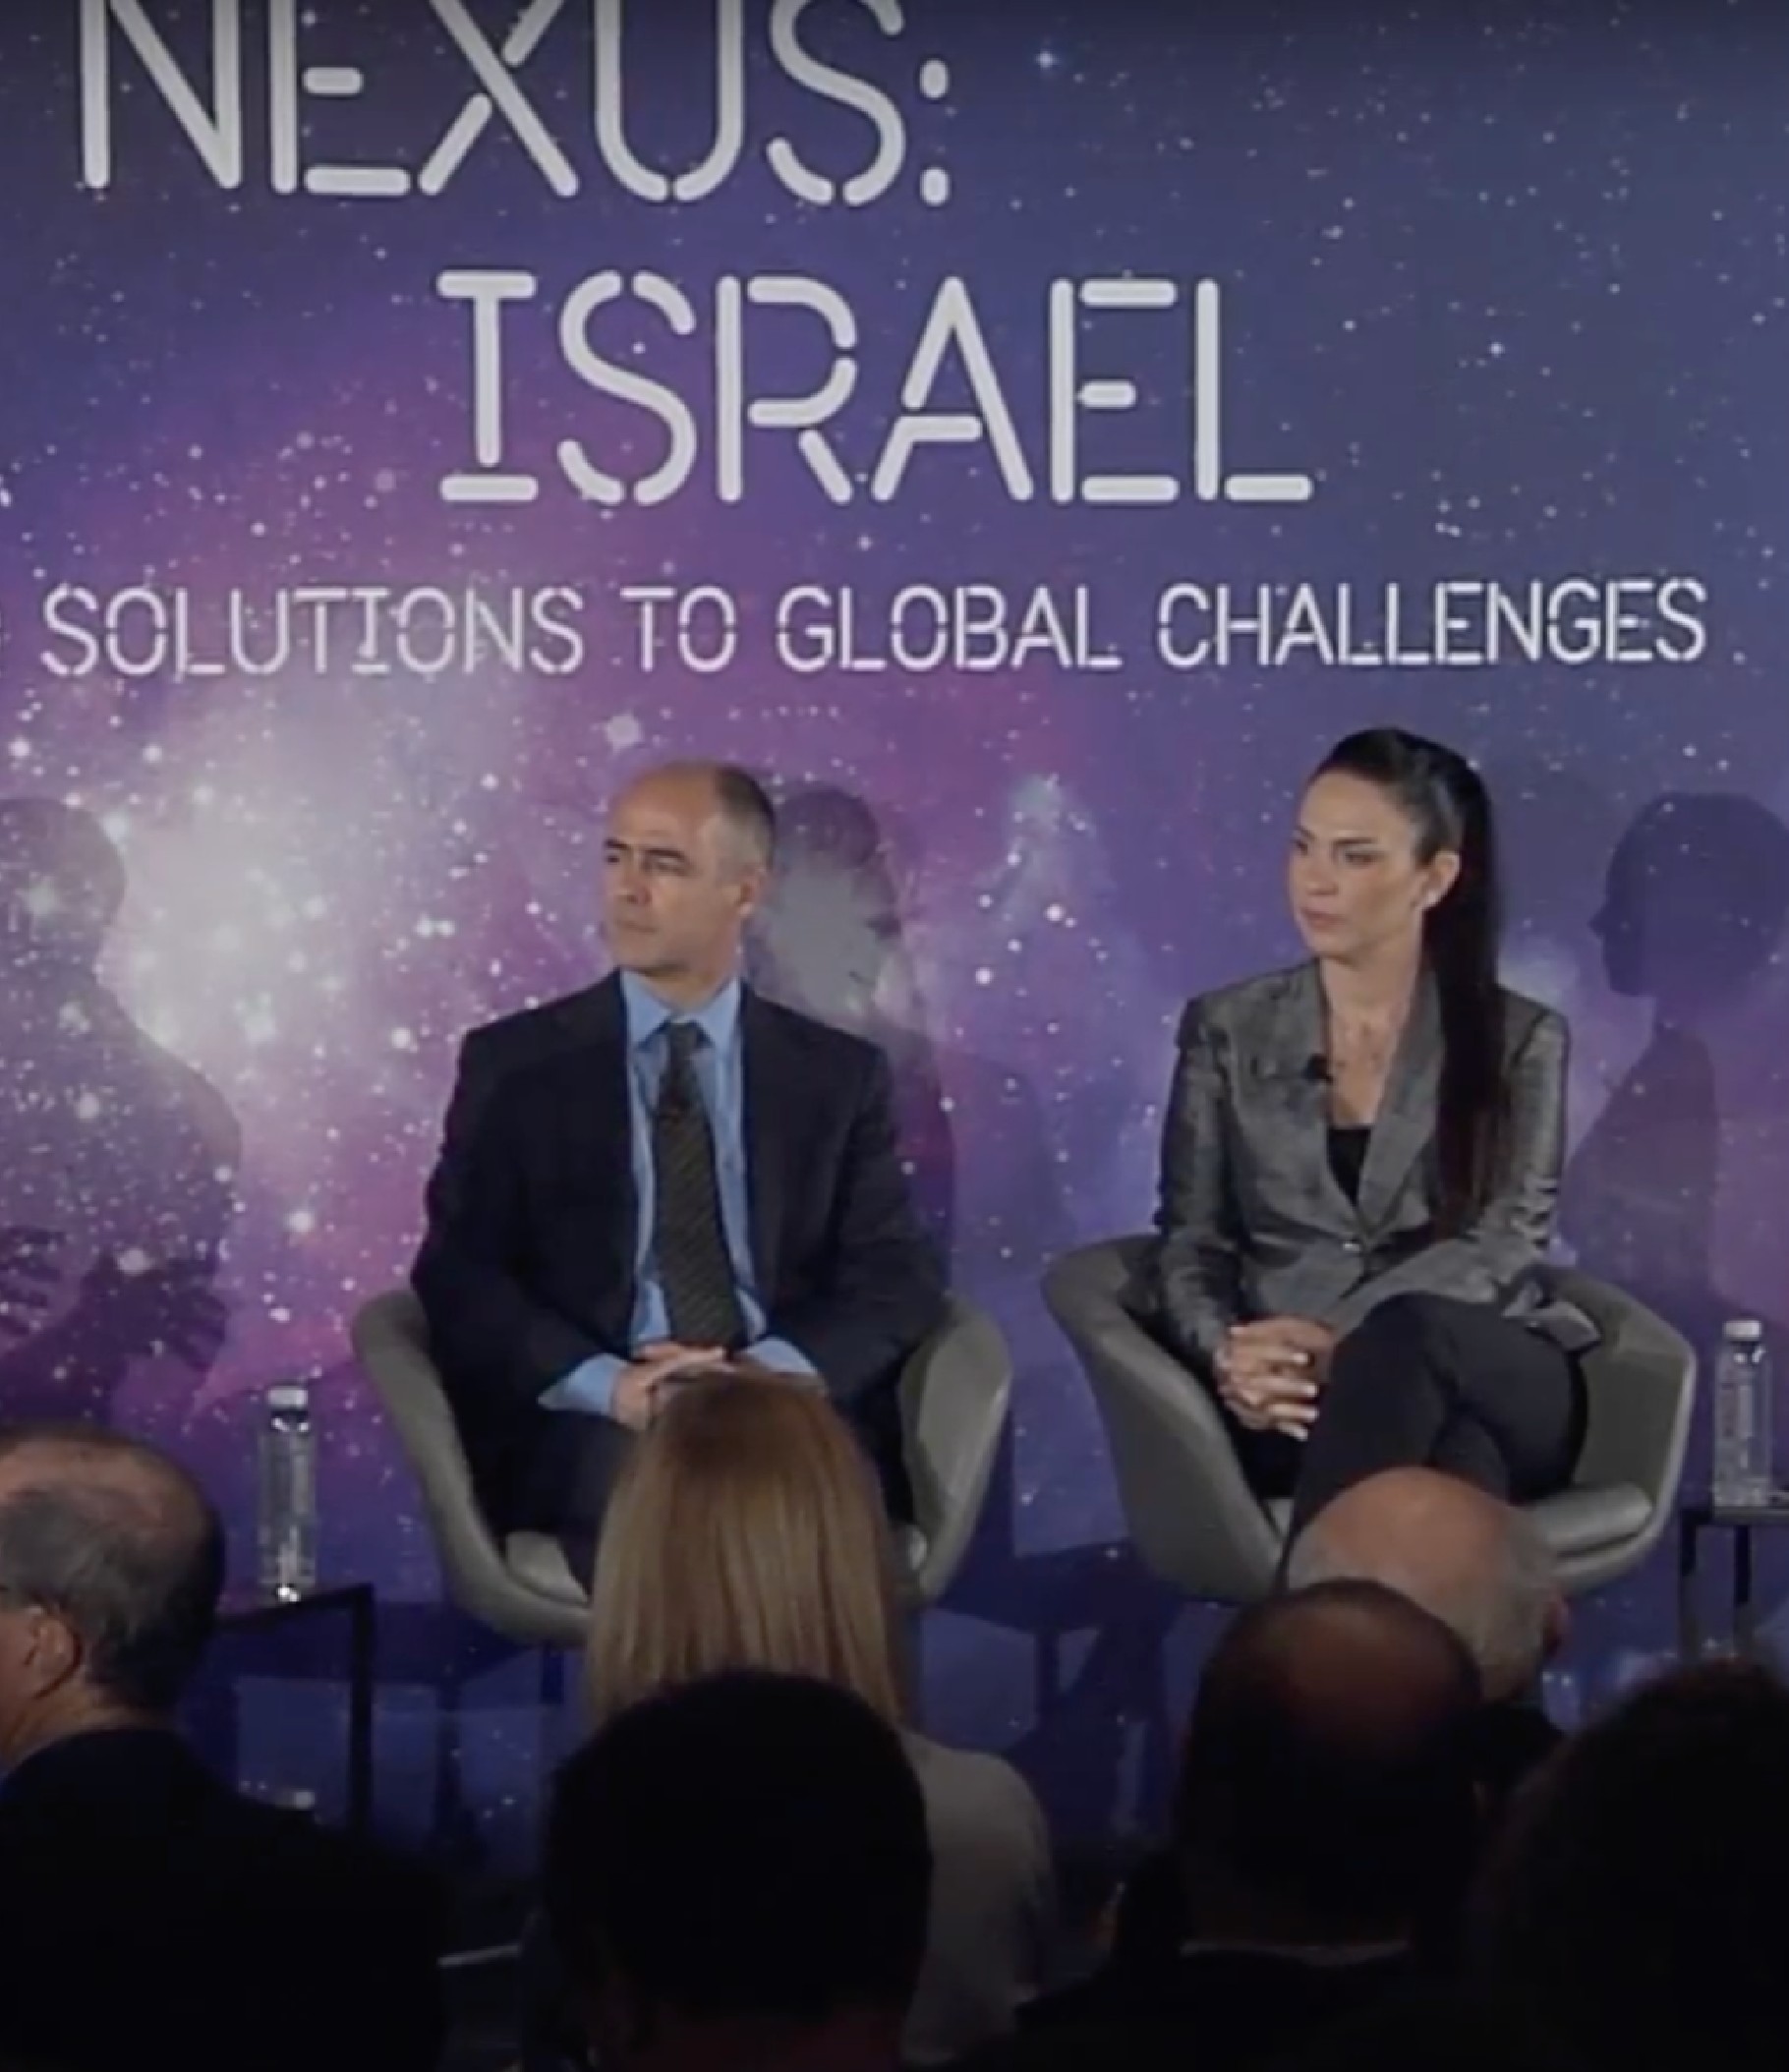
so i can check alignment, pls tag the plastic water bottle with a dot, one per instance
(287, 1514)
(293, 1801)
(1743, 1465)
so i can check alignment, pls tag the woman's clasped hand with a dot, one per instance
(1270, 1374)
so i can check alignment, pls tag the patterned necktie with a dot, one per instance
(689, 1242)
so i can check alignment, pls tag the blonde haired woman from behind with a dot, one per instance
(747, 1531)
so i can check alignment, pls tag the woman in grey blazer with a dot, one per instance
(1360, 1159)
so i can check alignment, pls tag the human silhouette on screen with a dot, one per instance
(832, 943)
(1694, 906)
(835, 940)
(117, 1160)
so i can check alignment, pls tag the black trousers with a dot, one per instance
(572, 1463)
(570, 1470)
(1426, 1381)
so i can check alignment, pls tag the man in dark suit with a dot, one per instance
(147, 1914)
(662, 1171)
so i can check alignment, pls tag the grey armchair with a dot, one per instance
(1198, 1524)
(955, 1396)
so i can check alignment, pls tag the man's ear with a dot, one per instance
(52, 1654)
(754, 883)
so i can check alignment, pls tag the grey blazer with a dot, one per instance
(1252, 1221)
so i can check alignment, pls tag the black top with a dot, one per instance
(1347, 1155)
(148, 1915)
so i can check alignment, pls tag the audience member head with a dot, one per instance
(1326, 1792)
(737, 1872)
(111, 1565)
(1481, 1566)
(1633, 1913)
(746, 1531)
(686, 858)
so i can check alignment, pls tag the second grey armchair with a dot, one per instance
(1199, 1526)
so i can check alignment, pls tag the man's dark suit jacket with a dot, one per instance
(528, 1264)
(149, 1916)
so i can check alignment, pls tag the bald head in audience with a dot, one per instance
(1324, 1794)
(1481, 1566)
(111, 1565)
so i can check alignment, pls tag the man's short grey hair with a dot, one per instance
(745, 806)
(1502, 1614)
(120, 1542)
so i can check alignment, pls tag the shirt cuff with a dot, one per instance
(778, 1354)
(589, 1387)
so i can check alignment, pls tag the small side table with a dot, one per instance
(1701, 1515)
(256, 1611)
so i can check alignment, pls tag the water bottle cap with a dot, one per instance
(293, 1801)
(289, 1395)
(1744, 1331)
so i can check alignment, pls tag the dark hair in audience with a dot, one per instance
(1447, 803)
(1634, 1913)
(747, 1846)
(1345, 1796)
(121, 1543)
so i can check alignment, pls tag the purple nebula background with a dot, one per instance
(1511, 292)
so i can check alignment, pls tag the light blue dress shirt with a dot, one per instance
(721, 1078)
